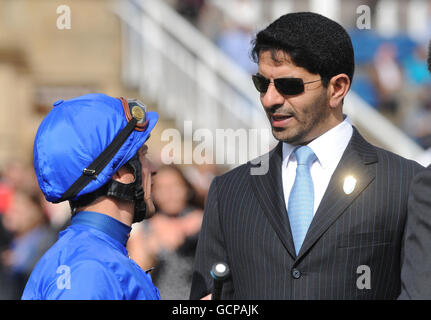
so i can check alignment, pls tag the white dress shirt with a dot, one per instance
(328, 148)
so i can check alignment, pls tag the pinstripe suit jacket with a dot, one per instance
(246, 225)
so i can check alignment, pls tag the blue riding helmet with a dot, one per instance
(88, 138)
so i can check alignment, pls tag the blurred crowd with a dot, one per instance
(166, 243)
(28, 226)
(392, 76)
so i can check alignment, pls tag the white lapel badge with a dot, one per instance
(349, 184)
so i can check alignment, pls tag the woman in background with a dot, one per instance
(168, 241)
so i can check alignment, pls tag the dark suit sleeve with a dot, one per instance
(210, 248)
(416, 265)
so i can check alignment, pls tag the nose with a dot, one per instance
(272, 97)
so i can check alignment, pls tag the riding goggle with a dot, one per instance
(136, 115)
(135, 109)
(286, 86)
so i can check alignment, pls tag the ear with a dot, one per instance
(124, 175)
(338, 87)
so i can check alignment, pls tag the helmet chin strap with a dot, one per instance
(132, 191)
(128, 192)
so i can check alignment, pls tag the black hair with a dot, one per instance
(313, 42)
(429, 56)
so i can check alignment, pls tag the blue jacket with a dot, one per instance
(90, 261)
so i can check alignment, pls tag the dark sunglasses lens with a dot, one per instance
(261, 83)
(289, 86)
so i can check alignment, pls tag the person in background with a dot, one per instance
(237, 33)
(32, 236)
(388, 77)
(6, 193)
(417, 116)
(200, 177)
(168, 241)
(17, 176)
(416, 267)
(429, 57)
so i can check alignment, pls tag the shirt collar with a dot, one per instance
(102, 222)
(328, 148)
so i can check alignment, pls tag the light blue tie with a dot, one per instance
(300, 207)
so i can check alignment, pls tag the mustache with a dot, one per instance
(279, 112)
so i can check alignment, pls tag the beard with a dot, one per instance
(304, 122)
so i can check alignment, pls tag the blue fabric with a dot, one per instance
(89, 262)
(73, 134)
(112, 227)
(300, 207)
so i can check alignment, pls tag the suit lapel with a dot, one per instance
(268, 189)
(355, 162)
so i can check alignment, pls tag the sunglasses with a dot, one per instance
(286, 86)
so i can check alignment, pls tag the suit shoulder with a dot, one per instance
(386, 156)
(235, 174)
(371, 153)
(252, 167)
(423, 177)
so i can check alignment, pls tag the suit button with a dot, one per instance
(296, 273)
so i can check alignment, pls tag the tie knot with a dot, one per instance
(304, 155)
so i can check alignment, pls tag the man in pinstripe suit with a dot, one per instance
(357, 203)
(416, 269)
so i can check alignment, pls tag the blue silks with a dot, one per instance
(90, 262)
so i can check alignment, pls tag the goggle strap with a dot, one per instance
(93, 170)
